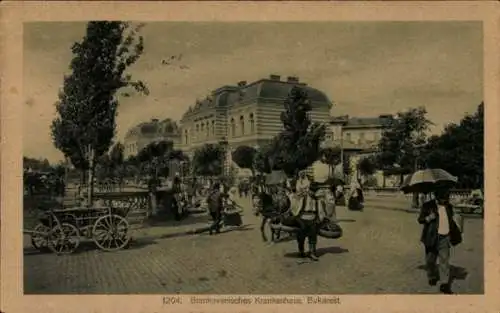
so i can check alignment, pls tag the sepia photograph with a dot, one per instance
(184, 157)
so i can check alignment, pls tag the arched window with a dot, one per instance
(202, 127)
(213, 128)
(252, 123)
(208, 130)
(186, 137)
(233, 127)
(242, 125)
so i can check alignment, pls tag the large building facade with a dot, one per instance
(245, 114)
(249, 114)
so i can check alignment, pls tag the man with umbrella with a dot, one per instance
(440, 231)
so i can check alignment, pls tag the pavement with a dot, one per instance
(379, 253)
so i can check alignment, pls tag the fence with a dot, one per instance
(456, 195)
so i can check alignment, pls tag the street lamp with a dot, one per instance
(224, 143)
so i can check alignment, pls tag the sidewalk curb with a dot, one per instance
(469, 216)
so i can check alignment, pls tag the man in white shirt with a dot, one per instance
(437, 217)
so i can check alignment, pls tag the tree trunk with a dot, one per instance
(383, 181)
(90, 191)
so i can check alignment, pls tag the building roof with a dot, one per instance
(155, 127)
(272, 88)
(383, 120)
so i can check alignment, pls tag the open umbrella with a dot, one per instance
(428, 180)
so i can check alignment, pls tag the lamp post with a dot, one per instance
(223, 143)
(417, 154)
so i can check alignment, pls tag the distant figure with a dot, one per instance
(177, 196)
(355, 200)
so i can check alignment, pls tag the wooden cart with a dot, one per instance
(62, 230)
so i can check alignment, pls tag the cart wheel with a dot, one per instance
(40, 241)
(64, 239)
(110, 232)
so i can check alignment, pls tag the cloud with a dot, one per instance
(366, 68)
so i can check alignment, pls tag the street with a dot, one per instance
(380, 253)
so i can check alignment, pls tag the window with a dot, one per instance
(202, 127)
(252, 123)
(348, 137)
(186, 136)
(197, 129)
(233, 127)
(361, 138)
(213, 128)
(208, 129)
(242, 125)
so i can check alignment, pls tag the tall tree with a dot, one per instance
(244, 156)
(298, 145)
(401, 144)
(85, 124)
(460, 150)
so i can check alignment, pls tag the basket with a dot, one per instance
(330, 230)
(232, 219)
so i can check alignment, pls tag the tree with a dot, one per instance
(332, 156)
(367, 166)
(460, 150)
(208, 160)
(88, 102)
(261, 162)
(298, 145)
(154, 158)
(400, 145)
(244, 156)
(116, 154)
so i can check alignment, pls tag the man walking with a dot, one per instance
(215, 207)
(438, 235)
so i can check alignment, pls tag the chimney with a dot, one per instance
(292, 79)
(242, 83)
(274, 77)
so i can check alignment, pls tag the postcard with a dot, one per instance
(249, 156)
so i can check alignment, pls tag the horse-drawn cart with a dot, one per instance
(61, 230)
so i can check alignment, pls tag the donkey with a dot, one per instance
(271, 204)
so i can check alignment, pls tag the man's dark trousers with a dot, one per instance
(309, 230)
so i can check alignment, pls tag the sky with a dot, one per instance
(365, 68)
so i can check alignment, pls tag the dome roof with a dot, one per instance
(272, 89)
(166, 127)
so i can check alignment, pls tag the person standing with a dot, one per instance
(308, 215)
(438, 235)
(215, 207)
